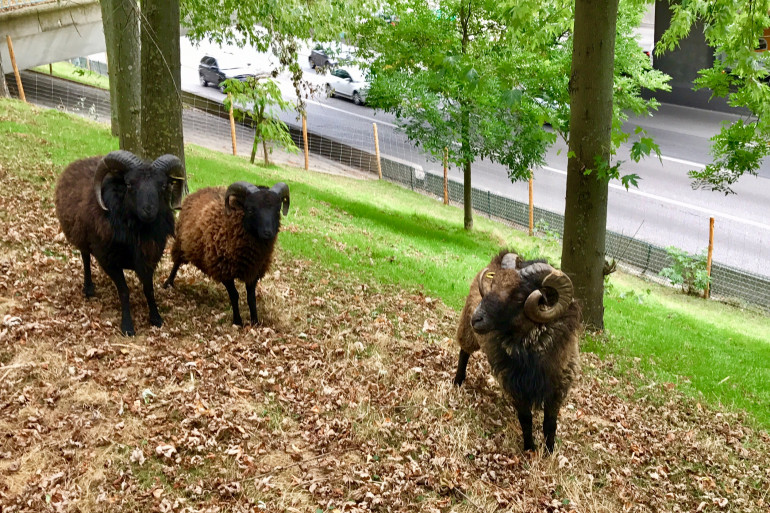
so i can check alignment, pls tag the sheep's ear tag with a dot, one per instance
(490, 275)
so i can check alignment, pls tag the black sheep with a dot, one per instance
(522, 315)
(120, 209)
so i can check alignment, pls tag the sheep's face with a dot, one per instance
(503, 296)
(498, 306)
(261, 214)
(145, 192)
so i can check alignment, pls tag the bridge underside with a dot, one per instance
(45, 32)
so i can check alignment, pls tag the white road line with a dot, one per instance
(681, 204)
(682, 161)
(378, 121)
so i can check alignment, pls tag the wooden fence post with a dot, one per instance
(707, 292)
(377, 151)
(232, 123)
(446, 188)
(15, 68)
(531, 207)
(304, 141)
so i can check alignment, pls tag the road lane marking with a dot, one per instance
(682, 161)
(378, 121)
(681, 204)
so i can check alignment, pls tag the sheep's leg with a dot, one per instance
(462, 364)
(233, 293)
(251, 298)
(126, 324)
(170, 280)
(550, 413)
(145, 276)
(88, 284)
(525, 419)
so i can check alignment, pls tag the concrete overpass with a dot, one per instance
(45, 31)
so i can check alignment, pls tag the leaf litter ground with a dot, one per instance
(341, 401)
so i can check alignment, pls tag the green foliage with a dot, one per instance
(260, 99)
(738, 74)
(467, 97)
(738, 149)
(688, 271)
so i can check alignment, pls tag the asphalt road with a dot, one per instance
(664, 209)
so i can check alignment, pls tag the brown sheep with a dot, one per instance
(230, 235)
(522, 316)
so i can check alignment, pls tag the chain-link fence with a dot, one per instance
(354, 147)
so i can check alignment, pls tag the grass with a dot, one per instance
(69, 71)
(387, 234)
(343, 397)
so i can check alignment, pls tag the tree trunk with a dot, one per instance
(161, 74)
(121, 32)
(264, 150)
(254, 148)
(585, 213)
(108, 27)
(3, 86)
(467, 187)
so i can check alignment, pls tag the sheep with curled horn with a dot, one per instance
(522, 315)
(119, 208)
(230, 234)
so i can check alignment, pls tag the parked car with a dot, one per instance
(215, 70)
(348, 82)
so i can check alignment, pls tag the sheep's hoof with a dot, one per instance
(128, 330)
(459, 380)
(168, 283)
(156, 320)
(89, 290)
(238, 322)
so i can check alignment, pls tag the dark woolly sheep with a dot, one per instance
(230, 235)
(522, 316)
(120, 209)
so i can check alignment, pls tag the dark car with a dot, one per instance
(329, 55)
(321, 57)
(215, 70)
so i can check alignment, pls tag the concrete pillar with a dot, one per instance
(683, 64)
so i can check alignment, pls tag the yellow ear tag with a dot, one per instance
(490, 275)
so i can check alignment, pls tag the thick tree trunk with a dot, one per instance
(161, 93)
(108, 27)
(585, 213)
(264, 150)
(121, 32)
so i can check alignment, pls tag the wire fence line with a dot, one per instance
(204, 117)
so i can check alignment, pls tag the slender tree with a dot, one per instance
(264, 101)
(161, 79)
(121, 31)
(467, 96)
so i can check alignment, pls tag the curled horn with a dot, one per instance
(483, 288)
(174, 170)
(555, 279)
(239, 190)
(118, 161)
(282, 190)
